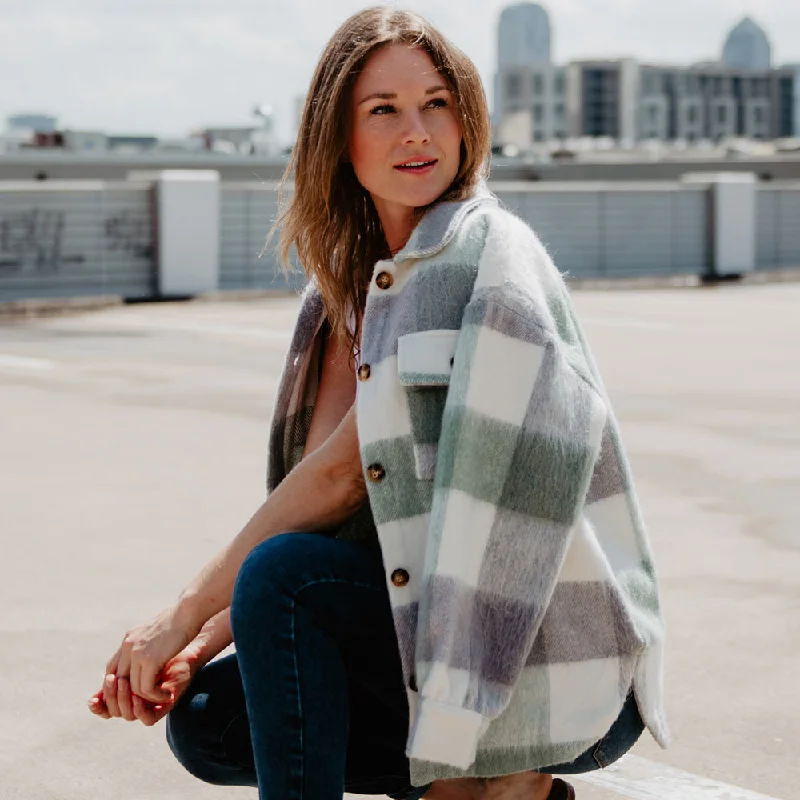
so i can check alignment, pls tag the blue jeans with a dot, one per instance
(312, 704)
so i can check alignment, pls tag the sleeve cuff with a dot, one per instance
(445, 734)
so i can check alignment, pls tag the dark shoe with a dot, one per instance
(561, 790)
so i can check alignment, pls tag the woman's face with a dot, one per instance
(402, 112)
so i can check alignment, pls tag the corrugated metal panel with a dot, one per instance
(248, 213)
(789, 227)
(691, 231)
(568, 223)
(637, 233)
(778, 226)
(594, 231)
(62, 240)
(766, 228)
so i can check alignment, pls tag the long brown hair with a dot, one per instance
(329, 217)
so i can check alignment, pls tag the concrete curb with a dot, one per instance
(44, 307)
(789, 275)
(236, 295)
(51, 306)
(624, 284)
(773, 276)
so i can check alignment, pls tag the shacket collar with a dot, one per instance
(440, 223)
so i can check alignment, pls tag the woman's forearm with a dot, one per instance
(323, 490)
(213, 638)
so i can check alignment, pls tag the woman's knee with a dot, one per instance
(207, 730)
(186, 738)
(272, 570)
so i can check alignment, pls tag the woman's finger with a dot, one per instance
(124, 663)
(124, 699)
(97, 706)
(148, 713)
(111, 666)
(145, 673)
(110, 694)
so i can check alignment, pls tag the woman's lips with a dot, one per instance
(417, 170)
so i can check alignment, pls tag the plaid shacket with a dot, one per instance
(519, 571)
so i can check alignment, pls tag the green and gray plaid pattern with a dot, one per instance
(531, 605)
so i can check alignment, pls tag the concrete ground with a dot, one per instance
(132, 446)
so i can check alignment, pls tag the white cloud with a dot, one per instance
(166, 66)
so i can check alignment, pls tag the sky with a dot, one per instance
(168, 67)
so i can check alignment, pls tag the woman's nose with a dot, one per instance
(416, 132)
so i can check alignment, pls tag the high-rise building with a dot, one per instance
(523, 36)
(714, 102)
(625, 100)
(526, 79)
(539, 91)
(602, 99)
(747, 47)
(795, 70)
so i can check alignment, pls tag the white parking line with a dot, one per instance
(641, 779)
(22, 362)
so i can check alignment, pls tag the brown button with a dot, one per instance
(384, 280)
(376, 472)
(400, 577)
(363, 372)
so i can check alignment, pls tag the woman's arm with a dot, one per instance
(323, 490)
(213, 638)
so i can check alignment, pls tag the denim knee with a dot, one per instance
(183, 738)
(259, 582)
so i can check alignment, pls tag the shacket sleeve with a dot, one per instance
(521, 432)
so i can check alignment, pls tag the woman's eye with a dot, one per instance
(439, 101)
(381, 109)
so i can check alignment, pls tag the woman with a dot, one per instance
(482, 611)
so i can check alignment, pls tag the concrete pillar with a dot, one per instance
(188, 231)
(733, 220)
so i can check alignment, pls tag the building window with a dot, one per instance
(722, 114)
(758, 115)
(559, 84)
(538, 137)
(538, 114)
(559, 111)
(513, 86)
(691, 115)
(538, 85)
(653, 114)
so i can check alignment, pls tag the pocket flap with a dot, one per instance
(426, 358)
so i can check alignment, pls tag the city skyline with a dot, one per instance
(173, 66)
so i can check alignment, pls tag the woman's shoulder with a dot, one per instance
(510, 250)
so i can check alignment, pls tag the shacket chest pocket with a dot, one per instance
(424, 365)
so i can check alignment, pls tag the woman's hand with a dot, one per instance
(145, 650)
(116, 699)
